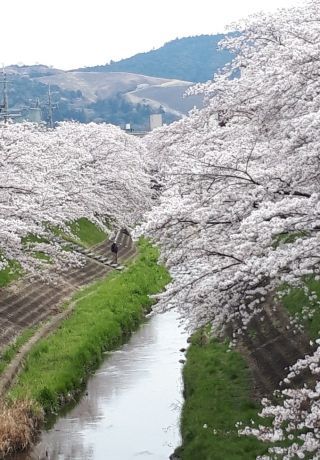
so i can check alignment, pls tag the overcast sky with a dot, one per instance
(73, 33)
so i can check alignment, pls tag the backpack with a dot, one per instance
(114, 247)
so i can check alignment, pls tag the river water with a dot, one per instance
(131, 407)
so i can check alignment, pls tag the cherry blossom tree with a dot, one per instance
(295, 414)
(52, 177)
(243, 171)
(238, 177)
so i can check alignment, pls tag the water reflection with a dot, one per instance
(132, 404)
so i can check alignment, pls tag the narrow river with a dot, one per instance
(132, 404)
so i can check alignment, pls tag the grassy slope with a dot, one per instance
(11, 273)
(305, 310)
(217, 387)
(85, 232)
(107, 310)
(217, 392)
(11, 350)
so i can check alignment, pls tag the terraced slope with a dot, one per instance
(272, 344)
(26, 303)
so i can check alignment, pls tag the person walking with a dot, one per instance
(114, 250)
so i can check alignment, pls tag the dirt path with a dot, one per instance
(27, 304)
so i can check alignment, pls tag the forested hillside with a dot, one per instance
(190, 58)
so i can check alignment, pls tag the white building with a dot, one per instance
(155, 121)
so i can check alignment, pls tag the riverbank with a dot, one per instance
(131, 405)
(218, 394)
(223, 387)
(58, 366)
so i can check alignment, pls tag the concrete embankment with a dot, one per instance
(223, 386)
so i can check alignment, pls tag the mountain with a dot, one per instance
(128, 91)
(99, 88)
(113, 97)
(32, 71)
(191, 59)
(99, 85)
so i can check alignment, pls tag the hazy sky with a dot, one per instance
(73, 33)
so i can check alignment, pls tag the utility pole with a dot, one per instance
(51, 107)
(5, 113)
(50, 114)
(4, 106)
(45, 108)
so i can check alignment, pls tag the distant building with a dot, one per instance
(155, 121)
(34, 115)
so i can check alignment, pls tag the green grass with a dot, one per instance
(86, 232)
(32, 238)
(83, 232)
(10, 273)
(11, 350)
(40, 255)
(105, 313)
(306, 311)
(287, 238)
(217, 396)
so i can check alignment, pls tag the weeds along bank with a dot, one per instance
(59, 365)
